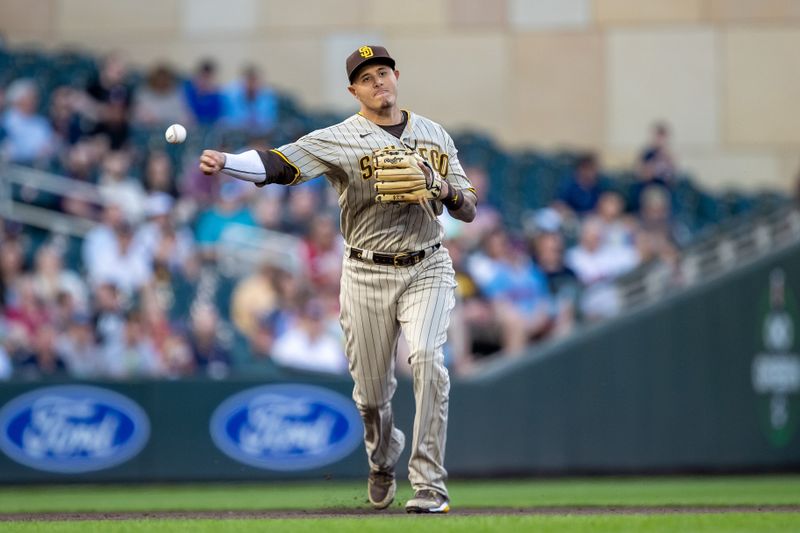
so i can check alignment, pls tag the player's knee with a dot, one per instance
(432, 378)
(428, 364)
(425, 357)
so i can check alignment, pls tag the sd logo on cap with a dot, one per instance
(367, 55)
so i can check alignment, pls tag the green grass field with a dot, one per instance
(565, 503)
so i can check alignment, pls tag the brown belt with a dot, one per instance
(403, 259)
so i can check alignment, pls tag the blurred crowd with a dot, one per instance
(518, 288)
(144, 296)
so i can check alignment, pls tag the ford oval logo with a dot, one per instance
(286, 427)
(72, 429)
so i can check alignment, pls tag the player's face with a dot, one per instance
(375, 87)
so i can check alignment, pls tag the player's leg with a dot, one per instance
(423, 312)
(370, 326)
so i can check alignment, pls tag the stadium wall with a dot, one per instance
(575, 73)
(707, 380)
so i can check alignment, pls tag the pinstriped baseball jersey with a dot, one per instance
(343, 153)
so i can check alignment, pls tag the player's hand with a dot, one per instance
(211, 161)
(431, 179)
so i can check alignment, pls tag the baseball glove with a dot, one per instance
(402, 176)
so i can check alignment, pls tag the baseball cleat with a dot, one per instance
(428, 501)
(381, 488)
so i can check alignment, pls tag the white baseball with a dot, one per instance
(175, 134)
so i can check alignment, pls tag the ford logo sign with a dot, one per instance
(286, 427)
(72, 429)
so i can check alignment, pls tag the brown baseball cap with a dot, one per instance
(367, 54)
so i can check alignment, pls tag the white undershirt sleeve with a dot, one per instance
(246, 166)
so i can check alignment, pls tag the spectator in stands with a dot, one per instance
(45, 361)
(125, 264)
(161, 241)
(29, 139)
(197, 191)
(260, 344)
(179, 287)
(16, 344)
(302, 206)
(268, 210)
(579, 194)
(12, 262)
(262, 340)
(309, 345)
(657, 155)
(27, 309)
(658, 236)
(203, 93)
(548, 252)
(544, 220)
(79, 349)
(64, 115)
(321, 253)
(563, 283)
(254, 297)
(517, 290)
(110, 101)
(594, 262)
(618, 229)
(117, 186)
(80, 162)
(155, 323)
(250, 104)
(63, 309)
(158, 174)
(656, 167)
(50, 279)
(160, 101)
(175, 357)
(109, 317)
(228, 211)
(211, 357)
(133, 355)
(596, 265)
(101, 240)
(293, 293)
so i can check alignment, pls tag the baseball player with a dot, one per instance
(394, 172)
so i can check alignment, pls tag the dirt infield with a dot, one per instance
(368, 513)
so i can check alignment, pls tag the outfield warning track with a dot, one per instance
(394, 512)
